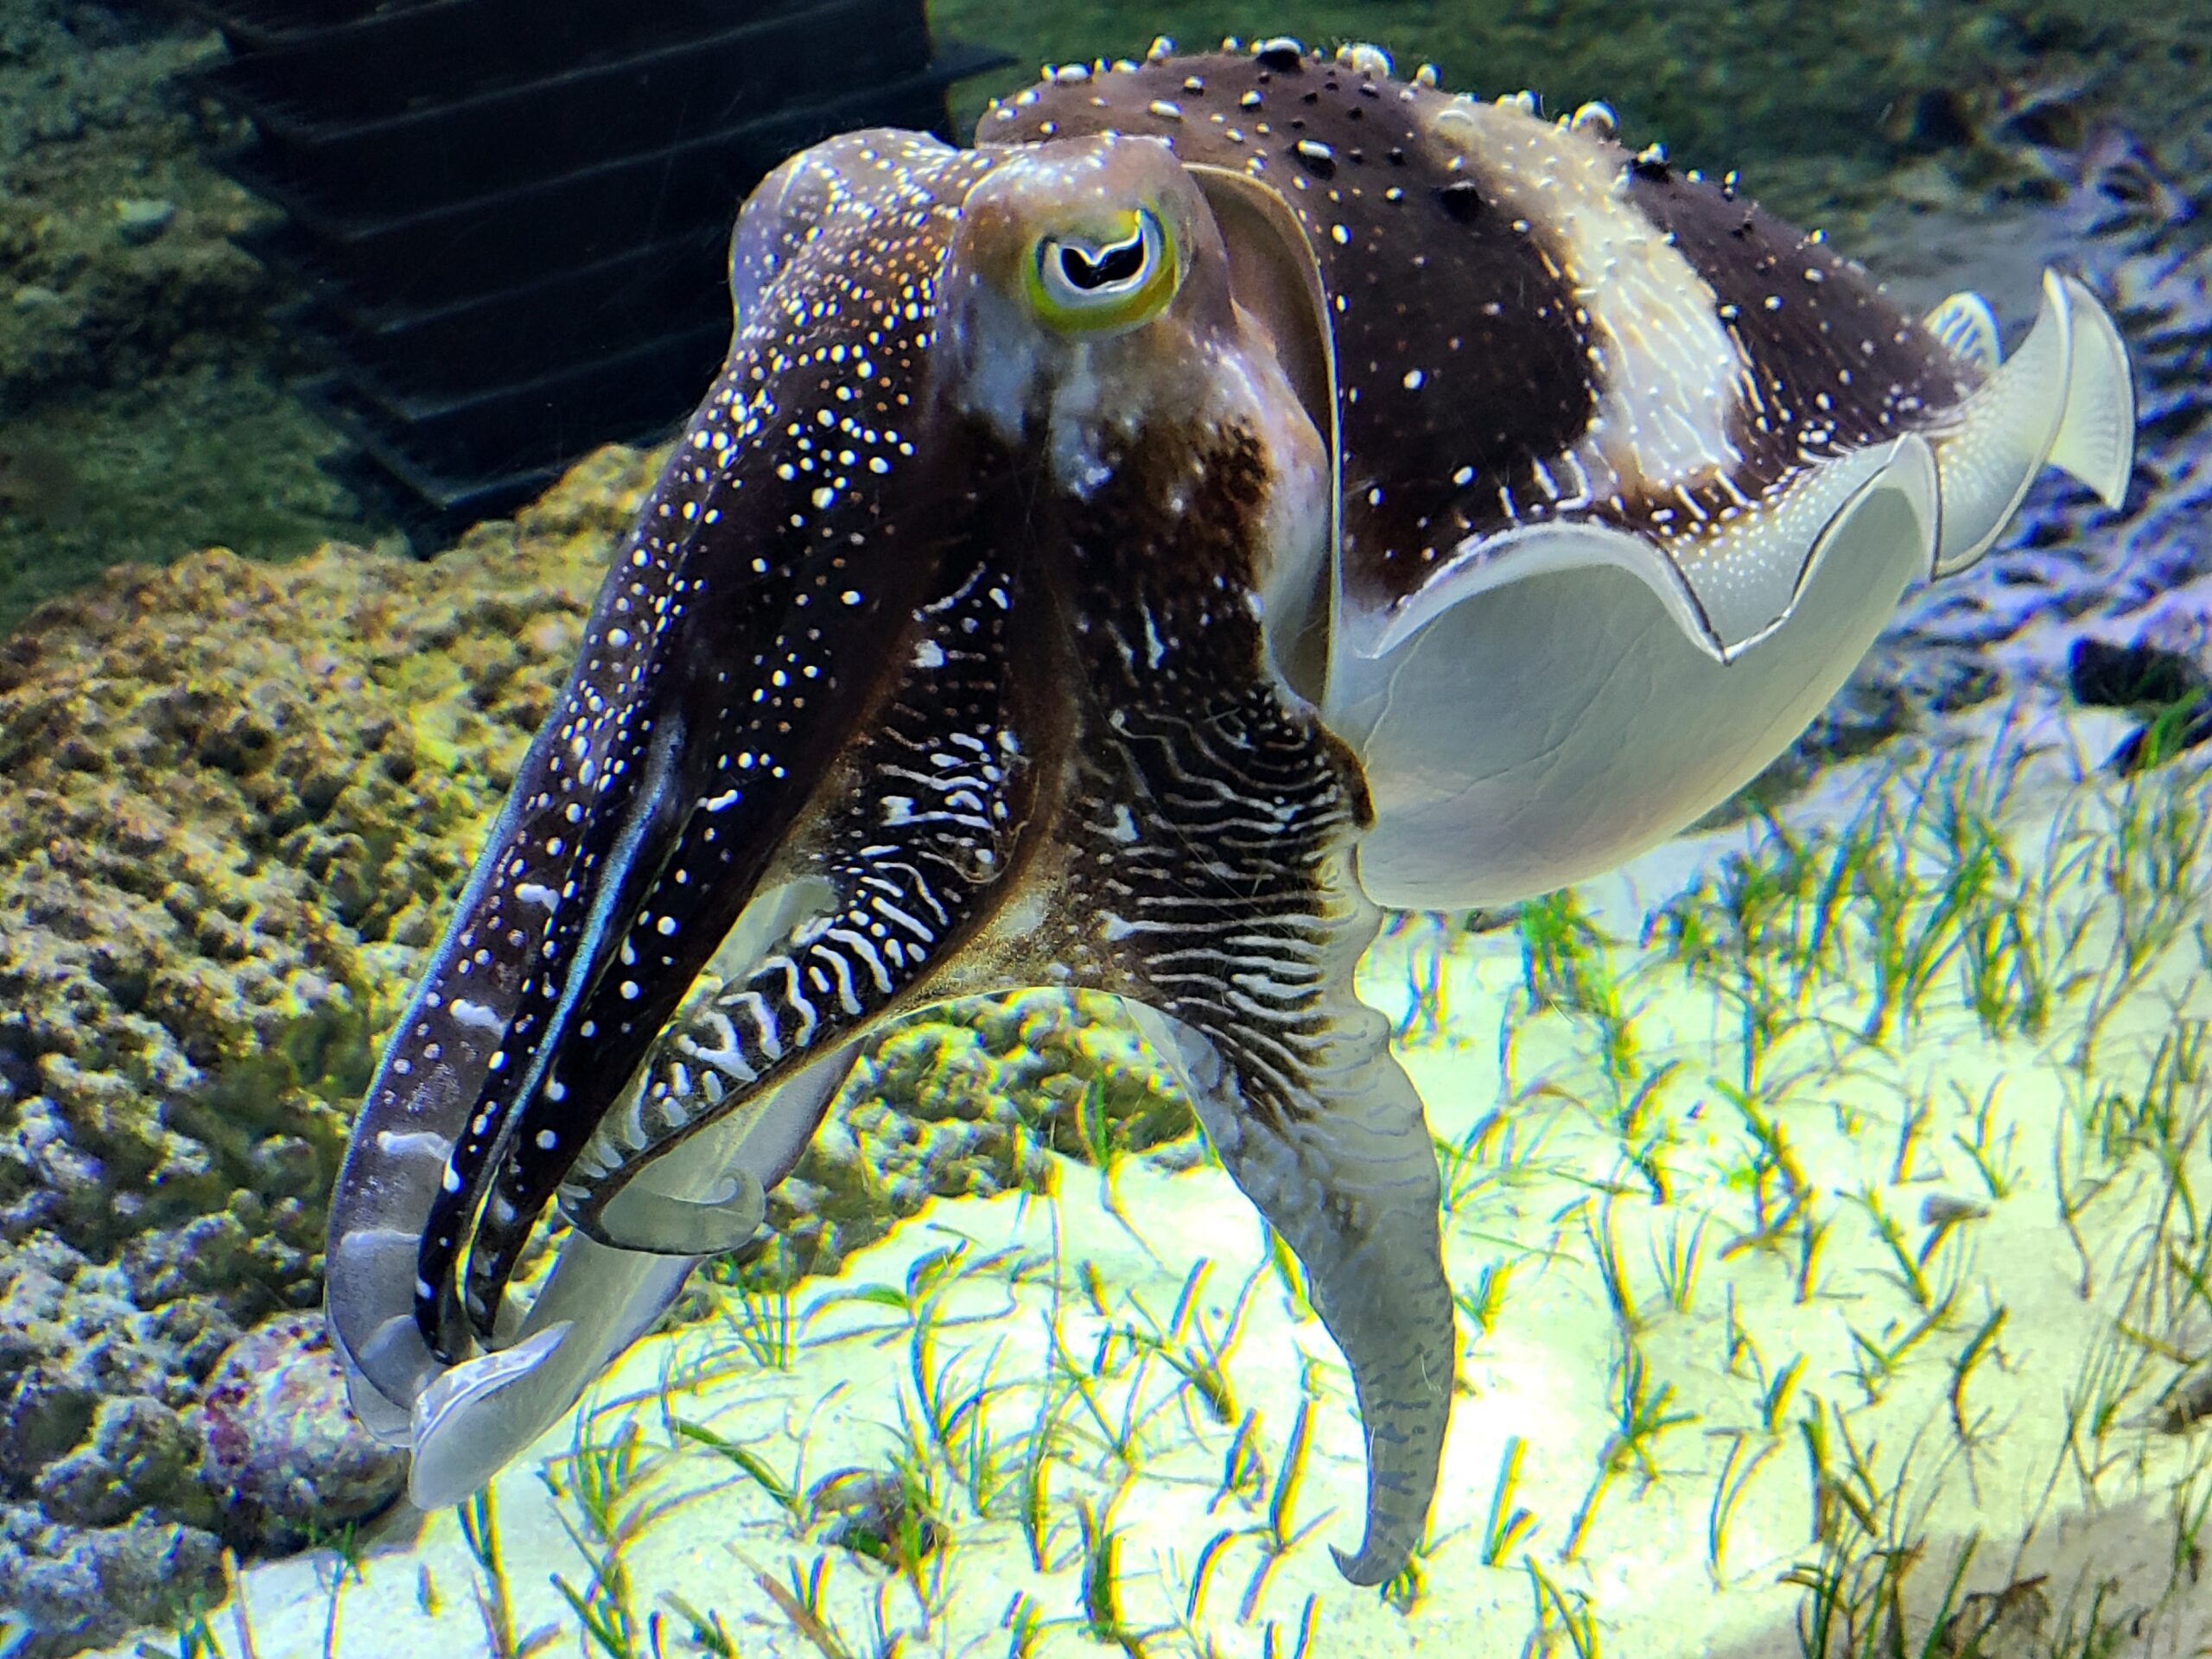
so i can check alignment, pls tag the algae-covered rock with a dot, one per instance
(101, 1515)
(71, 1338)
(236, 800)
(64, 1588)
(134, 1455)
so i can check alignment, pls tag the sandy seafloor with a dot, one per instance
(1897, 1393)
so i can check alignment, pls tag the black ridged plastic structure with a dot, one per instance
(513, 216)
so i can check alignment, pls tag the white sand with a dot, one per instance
(2061, 1472)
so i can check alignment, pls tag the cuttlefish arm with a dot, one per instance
(910, 860)
(745, 627)
(869, 910)
(1221, 902)
(477, 1417)
(934, 771)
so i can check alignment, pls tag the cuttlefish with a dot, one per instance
(1241, 492)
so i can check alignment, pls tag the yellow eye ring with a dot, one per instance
(1085, 285)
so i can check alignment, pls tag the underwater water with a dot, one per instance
(1819, 1263)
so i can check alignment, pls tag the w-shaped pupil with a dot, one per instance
(1116, 264)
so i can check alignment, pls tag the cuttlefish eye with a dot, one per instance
(1085, 283)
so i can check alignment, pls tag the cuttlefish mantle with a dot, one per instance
(1242, 491)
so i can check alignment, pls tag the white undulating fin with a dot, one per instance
(1966, 325)
(2065, 399)
(2096, 437)
(1727, 590)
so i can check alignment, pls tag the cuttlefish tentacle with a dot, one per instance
(735, 645)
(1350, 1179)
(476, 1417)
(443, 1075)
(501, 1236)
(913, 861)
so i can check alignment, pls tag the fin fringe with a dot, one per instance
(1967, 327)
(2063, 399)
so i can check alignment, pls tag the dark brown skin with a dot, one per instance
(1434, 267)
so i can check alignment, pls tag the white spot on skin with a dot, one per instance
(420, 1143)
(475, 1016)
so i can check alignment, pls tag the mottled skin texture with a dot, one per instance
(1465, 343)
(989, 629)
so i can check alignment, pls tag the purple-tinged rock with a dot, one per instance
(280, 1452)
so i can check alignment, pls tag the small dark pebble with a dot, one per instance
(2164, 685)
(2104, 675)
